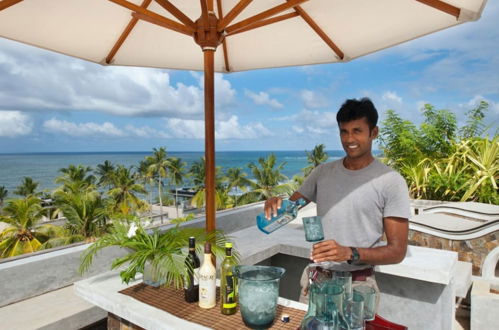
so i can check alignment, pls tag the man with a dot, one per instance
(358, 198)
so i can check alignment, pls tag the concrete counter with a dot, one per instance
(103, 291)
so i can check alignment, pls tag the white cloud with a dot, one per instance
(145, 132)
(228, 129)
(392, 97)
(36, 80)
(312, 122)
(263, 98)
(82, 129)
(313, 99)
(185, 128)
(14, 123)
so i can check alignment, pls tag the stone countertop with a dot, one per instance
(103, 291)
(420, 263)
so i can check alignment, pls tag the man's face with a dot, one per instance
(356, 138)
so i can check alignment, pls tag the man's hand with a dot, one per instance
(271, 206)
(330, 251)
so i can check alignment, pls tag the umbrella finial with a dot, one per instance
(206, 34)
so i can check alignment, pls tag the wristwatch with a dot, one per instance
(354, 257)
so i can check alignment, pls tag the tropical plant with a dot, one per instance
(158, 168)
(398, 138)
(124, 190)
(180, 220)
(268, 180)
(105, 172)
(197, 172)
(146, 177)
(314, 158)
(483, 157)
(85, 212)
(164, 251)
(403, 143)
(474, 123)
(27, 188)
(76, 178)
(236, 179)
(24, 234)
(3, 193)
(176, 173)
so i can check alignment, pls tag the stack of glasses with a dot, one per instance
(333, 305)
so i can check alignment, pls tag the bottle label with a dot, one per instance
(195, 279)
(196, 276)
(279, 222)
(230, 295)
(207, 288)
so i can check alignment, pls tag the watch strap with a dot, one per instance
(355, 256)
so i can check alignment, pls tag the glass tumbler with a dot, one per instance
(354, 312)
(313, 228)
(344, 279)
(369, 295)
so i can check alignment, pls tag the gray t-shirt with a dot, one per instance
(353, 203)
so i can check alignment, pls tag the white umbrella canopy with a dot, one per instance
(252, 34)
(89, 29)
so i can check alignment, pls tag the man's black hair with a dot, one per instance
(354, 109)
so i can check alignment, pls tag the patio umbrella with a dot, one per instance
(252, 34)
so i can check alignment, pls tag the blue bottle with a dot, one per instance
(286, 213)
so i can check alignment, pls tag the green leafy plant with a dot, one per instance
(165, 251)
(314, 158)
(24, 234)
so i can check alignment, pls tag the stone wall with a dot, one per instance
(472, 250)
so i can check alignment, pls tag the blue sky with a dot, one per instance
(50, 102)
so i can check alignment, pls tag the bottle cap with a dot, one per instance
(192, 242)
(228, 245)
(207, 247)
(285, 318)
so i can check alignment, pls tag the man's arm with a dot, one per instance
(274, 203)
(396, 230)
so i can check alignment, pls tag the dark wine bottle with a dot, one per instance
(191, 283)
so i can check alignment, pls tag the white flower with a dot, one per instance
(132, 230)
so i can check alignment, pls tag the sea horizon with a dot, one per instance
(44, 167)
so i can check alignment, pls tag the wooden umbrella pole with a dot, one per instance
(209, 137)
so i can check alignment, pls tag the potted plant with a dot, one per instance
(160, 256)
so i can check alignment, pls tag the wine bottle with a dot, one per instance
(286, 213)
(207, 278)
(192, 263)
(228, 283)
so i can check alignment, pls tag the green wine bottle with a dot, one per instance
(228, 283)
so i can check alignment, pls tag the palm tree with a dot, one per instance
(314, 158)
(124, 190)
(146, 177)
(27, 188)
(85, 213)
(176, 173)
(24, 235)
(105, 172)
(3, 194)
(76, 178)
(158, 167)
(268, 180)
(197, 172)
(236, 178)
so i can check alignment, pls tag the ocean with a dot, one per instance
(44, 167)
